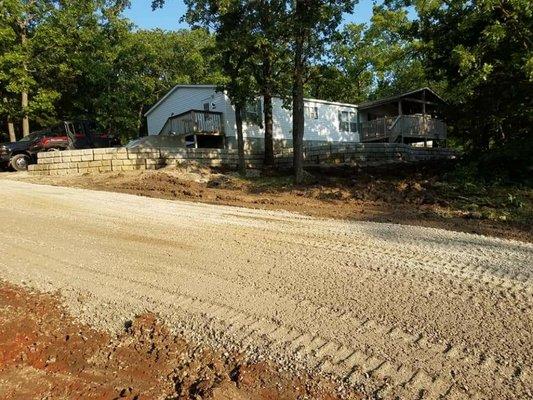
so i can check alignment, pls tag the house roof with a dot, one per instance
(162, 99)
(331, 102)
(370, 104)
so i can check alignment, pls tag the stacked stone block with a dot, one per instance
(122, 159)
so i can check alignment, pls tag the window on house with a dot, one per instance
(311, 112)
(347, 121)
(353, 122)
(253, 113)
(206, 106)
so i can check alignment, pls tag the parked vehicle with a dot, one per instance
(66, 135)
(17, 155)
(74, 135)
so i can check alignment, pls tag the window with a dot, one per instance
(348, 121)
(311, 112)
(206, 106)
(253, 113)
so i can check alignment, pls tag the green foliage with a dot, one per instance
(83, 60)
(19, 21)
(509, 164)
(146, 65)
(372, 61)
(483, 51)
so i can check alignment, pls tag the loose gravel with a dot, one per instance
(392, 310)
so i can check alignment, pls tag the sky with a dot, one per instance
(141, 14)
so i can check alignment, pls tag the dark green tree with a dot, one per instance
(270, 59)
(231, 24)
(313, 24)
(374, 61)
(483, 51)
(19, 21)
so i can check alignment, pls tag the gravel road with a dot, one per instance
(394, 310)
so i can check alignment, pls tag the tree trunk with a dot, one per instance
(240, 139)
(140, 120)
(298, 93)
(25, 118)
(269, 135)
(267, 99)
(24, 97)
(11, 130)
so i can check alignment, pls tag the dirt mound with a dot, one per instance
(45, 353)
(412, 194)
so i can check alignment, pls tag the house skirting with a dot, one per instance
(258, 144)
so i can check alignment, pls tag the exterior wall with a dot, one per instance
(325, 128)
(179, 101)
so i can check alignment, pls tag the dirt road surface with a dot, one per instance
(393, 310)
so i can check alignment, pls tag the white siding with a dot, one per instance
(179, 101)
(248, 130)
(324, 128)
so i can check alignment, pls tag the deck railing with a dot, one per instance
(194, 121)
(408, 126)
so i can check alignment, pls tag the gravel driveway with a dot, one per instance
(395, 310)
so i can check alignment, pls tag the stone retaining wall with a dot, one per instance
(365, 153)
(122, 159)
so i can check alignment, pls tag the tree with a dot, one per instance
(231, 37)
(6, 100)
(20, 19)
(149, 63)
(482, 50)
(260, 26)
(394, 54)
(313, 24)
(270, 59)
(372, 61)
(348, 75)
(232, 26)
(87, 61)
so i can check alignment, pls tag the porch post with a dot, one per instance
(426, 129)
(401, 122)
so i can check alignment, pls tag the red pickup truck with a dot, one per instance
(67, 135)
(76, 135)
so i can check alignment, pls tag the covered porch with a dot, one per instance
(412, 117)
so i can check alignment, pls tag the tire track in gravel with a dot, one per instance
(326, 355)
(302, 300)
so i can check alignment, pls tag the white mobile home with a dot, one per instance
(201, 116)
(200, 108)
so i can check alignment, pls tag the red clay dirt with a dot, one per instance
(46, 353)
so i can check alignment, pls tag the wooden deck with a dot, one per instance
(404, 128)
(194, 121)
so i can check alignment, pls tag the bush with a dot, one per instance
(510, 164)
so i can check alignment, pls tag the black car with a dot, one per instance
(17, 155)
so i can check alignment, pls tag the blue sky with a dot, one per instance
(168, 17)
